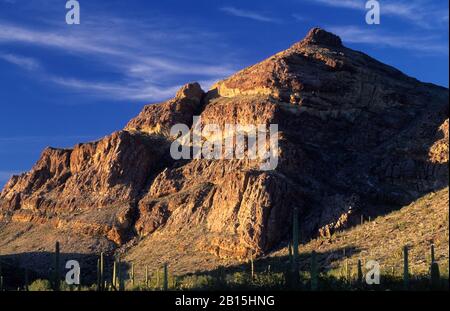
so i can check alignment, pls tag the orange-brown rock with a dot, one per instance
(93, 186)
(356, 137)
(158, 119)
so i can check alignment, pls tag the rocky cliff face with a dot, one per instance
(355, 137)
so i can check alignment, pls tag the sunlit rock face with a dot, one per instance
(355, 137)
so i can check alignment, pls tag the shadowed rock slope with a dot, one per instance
(355, 137)
(418, 225)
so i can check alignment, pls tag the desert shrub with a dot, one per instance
(40, 286)
(195, 282)
(269, 280)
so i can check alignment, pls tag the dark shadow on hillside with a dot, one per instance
(281, 263)
(270, 273)
(276, 273)
(379, 157)
(15, 268)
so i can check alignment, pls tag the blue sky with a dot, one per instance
(63, 84)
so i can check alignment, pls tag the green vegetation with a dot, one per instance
(40, 286)
(263, 274)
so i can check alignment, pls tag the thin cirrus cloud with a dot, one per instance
(354, 34)
(422, 13)
(42, 139)
(253, 15)
(18, 34)
(123, 91)
(151, 61)
(299, 17)
(27, 63)
(349, 4)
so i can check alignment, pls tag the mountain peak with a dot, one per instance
(293, 71)
(322, 37)
(353, 136)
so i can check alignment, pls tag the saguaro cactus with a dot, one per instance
(132, 274)
(346, 271)
(158, 286)
(101, 272)
(360, 273)
(119, 276)
(252, 267)
(434, 271)
(405, 268)
(114, 276)
(435, 275)
(220, 277)
(1, 277)
(57, 276)
(146, 277)
(291, 260)
(166, 277)
(433, 259)
(314, 276)
(98, 274)
(174, 282)
(295, 239)
(26, 280)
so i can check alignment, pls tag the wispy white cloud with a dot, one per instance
(299, 18)
(150, 59)
(349, 4)
(257, 16)
(423, 13)
(137, 91)
(30, 139)
(27, 63)
(355, 34)
(12, 33)
(149, 65)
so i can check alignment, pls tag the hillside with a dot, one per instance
(418, 225)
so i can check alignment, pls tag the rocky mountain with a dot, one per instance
(356, 137)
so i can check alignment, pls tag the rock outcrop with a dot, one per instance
(355, 137)
(158, 119)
